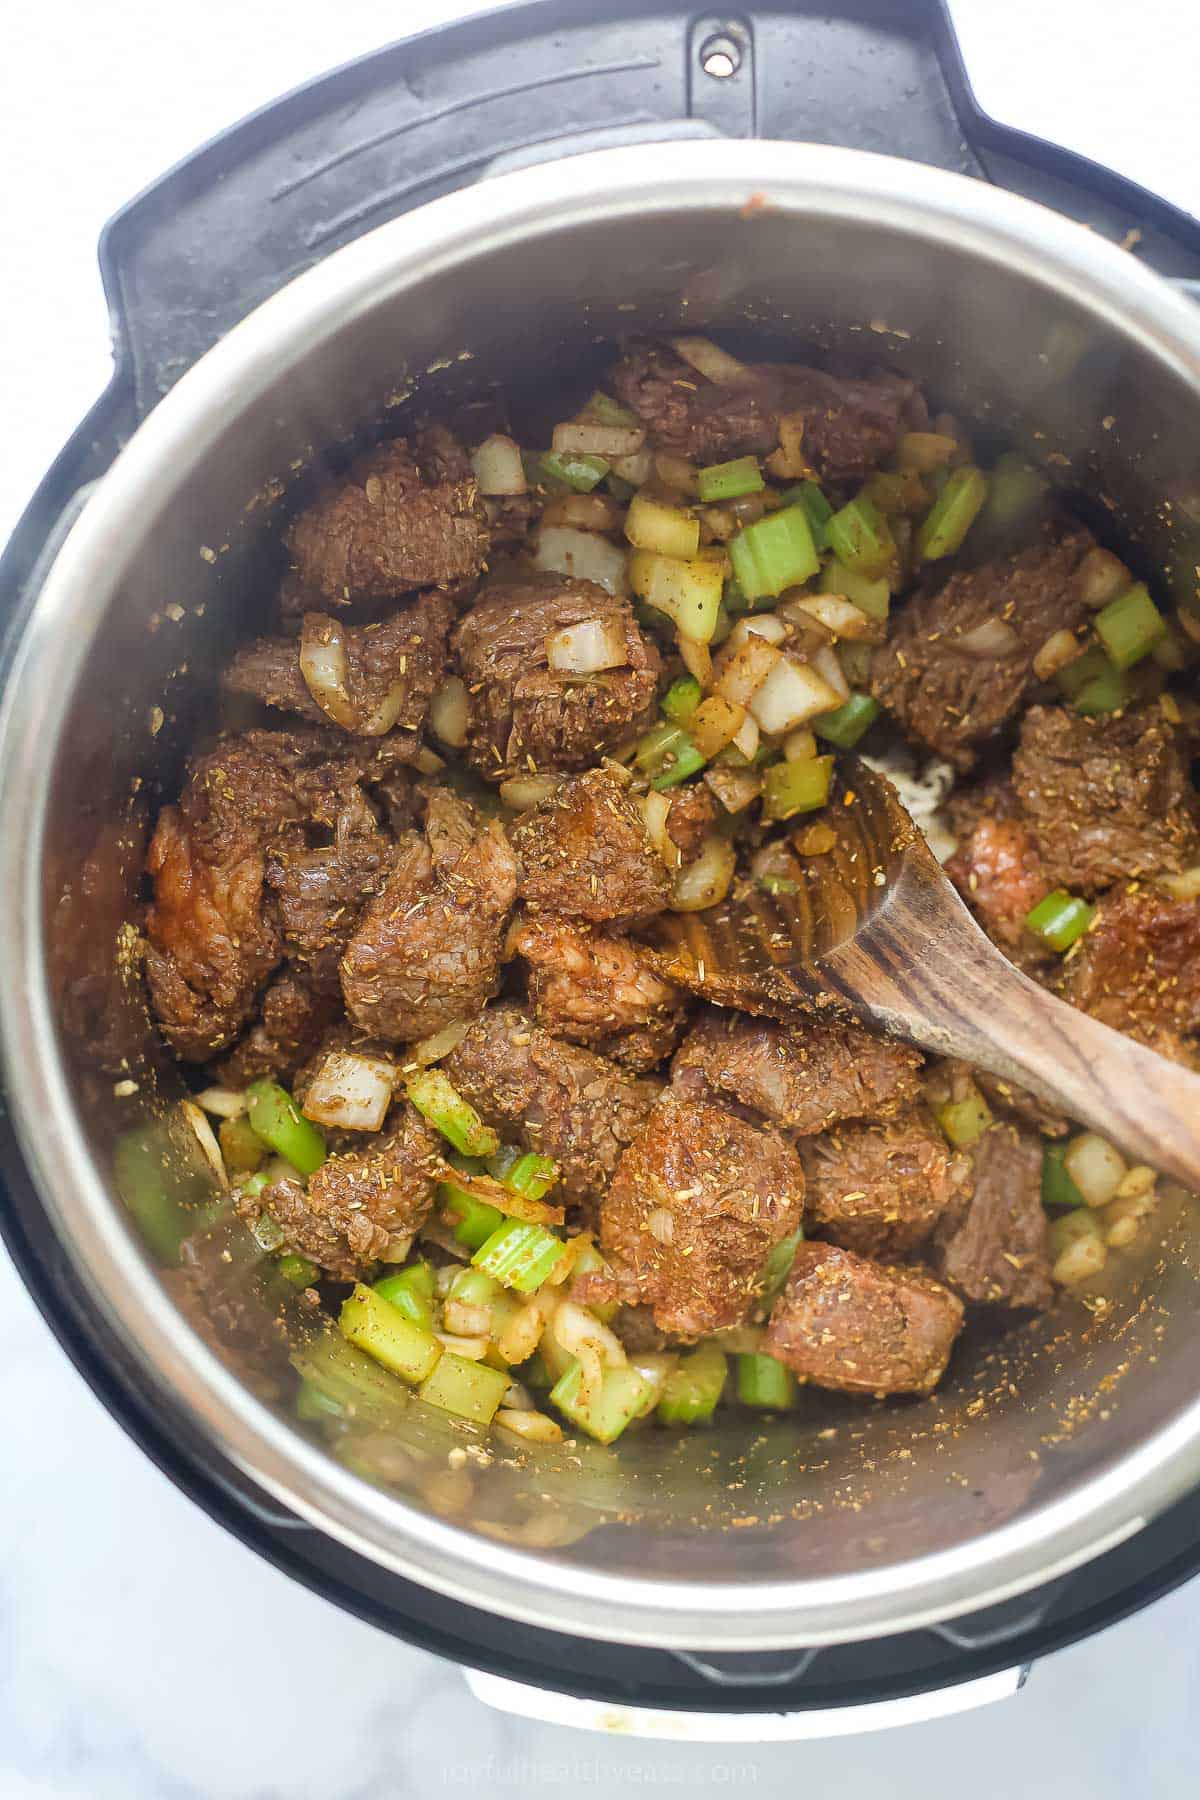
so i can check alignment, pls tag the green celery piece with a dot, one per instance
(730, 480)
(796, 787)
(373, 1324)
(952, 514)
(808, 495)
(861, 538)
(469, 1389)
(965, 1121)
(681, 700)
(607, 411)
(301, 1271)
(411, 1291)
(848, 722)
(1058, 1186)
(778, 1265)
(666, 755)
(436, 1099)
(476, 1219)
(582, 473)
(1060, 919)
(623, 1393)
(774, 553)
(314, 1406)
(1130, 626)
(278, 1121)
(1069, 1227)
(254, 1184)
(350, 1380)
(1016, 498)
(897, 491)
(694, 1386)
(871, 594)
(241, 1146)
(523, 1172)
(1093, 684)
(763, 1381)
(520, 1255)
(156, 1185)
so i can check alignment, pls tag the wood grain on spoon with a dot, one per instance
(873, 927)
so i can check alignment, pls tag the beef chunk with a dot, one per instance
(954, 701)
(393, 668)
(880, 1189)
(321, 892)
(850, 426)
(360, 1205)
(426, 951)
(690, 818)
(384, 529)
(554, 1097)
(697, 1202)
(992, 1247)
(585, 852)
(805, 1076)
(522, 712)
(998, 871)
(596, 990)
(1106, 798)
(294, 1018)
(843, 1322)
(1138, 969)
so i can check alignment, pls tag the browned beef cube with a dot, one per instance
(850, 426)
(322, 891)
(998, 871)
(692, 815)
(938, 684)
(295, 1015)
(880, 1189)
(992, 1244)
(392, 669)
(524, 715)
(597, 990)
(585, 853)
(805, 1076)
(384, 529)
(1138, 970)
(864, 1327)
(697, 1203)
(427, 949)
(553, 1097)
(360, 1206)
(1106, 798)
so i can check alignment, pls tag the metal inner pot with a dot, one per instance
(848, 1519)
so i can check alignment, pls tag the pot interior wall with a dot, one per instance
(839, 1485)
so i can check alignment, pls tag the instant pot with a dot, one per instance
(496, 201)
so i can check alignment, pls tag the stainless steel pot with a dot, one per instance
(848, 1521)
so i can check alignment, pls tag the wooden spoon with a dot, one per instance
(872, 928)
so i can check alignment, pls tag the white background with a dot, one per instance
(142, 1652)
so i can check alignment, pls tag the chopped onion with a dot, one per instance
(586, 437)
(655, 809)
(206, 1138)
(1059, 649)
(702, 354)
(714, 724)
(466, 1320)
(351, 1092)
(789, 460)
(577, 1329)
(587, 648)
(707, 878)
(793, 693)
(994, 638)
(498, 466)
(449, 711)
(636, 469)
(798, 746)
(1095, 1166)
(827, 664)
(660, 1223)
(222, 1102)
(736, 789)
(525, 791)
(325, 669)
(745, 738)
(397, 1247)
(426, 761)
(473, 1349)
(677, 472)
(386, 713)
(760, 625)
(1100, 577)
(584, 512)
(743, 673)
(584, 555)
(838, 615)
(438, 1044)
(697, 659)
(1180, 887)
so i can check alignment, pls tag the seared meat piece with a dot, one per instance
(999, 873)
(324, 768)
(294, 1018)
(362, 1205)
(850, 426)
(863, 1327)
(992, 1246)
(392, 669)
(926, 675)
(1138, 969)
(554, 1097)
(585, 853)
(427, 949)
(383, 529)
(596, 990)
(1106, 798)
(509, 519)
(697, 1203)
(805, 1076)
(322, 891)
(880, 1189)
(523, 714)
(692, 815)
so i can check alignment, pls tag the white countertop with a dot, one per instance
(144, 1654)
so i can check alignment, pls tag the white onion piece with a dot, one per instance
(587, 648)
(351, 1092)
(449, 712)
(792, 694)
(584, 512)
(586, 437)
(577, 1329)
(1095, 1166)
(584, 555)
(325, 669)
(636, 469)
(205, 1137)
(466, 1320)
(439, 1043)
(534, 1427)
(397, 1247)
(474, 1349)
(838, 615)
(697, 658)
(660, 1223)
(736, 789)
(707, 878)
(1059, 649)
(498, 466)
(799, 745)
(701, 353)
(386, 713)
(1180, 887)
(525, 791)
(426, 761)
(714, 724)
(655, 810)
(827, 664)
(223, 1103)
(743, 673)
(745, 738)
(1100, 577)
(677, 473)
(995, 638)
(759, 625)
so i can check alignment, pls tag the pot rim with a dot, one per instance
(798, 179)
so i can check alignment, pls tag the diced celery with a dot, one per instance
(763, 1381)
(952, 514)
(1093, 684)
(1016, 496)
(520, 1255)
(278, 1121)
(147, 1176)
(665, 530)
(897, 491)
(730, 480)
(1059, 919)
(301, 1271)
(436, 1099)
(582, 473)
(681, 700)
(1058, 1188)
(688, 592)
(350, 1381)
(376, 1326)
(965, 1121)
(808, 495)
(469, 1389)
(860, 537)
(525, 1173)
(774, 553)
(666, 755)
(871, 594)
(607, 411)
(1130, 626)
(694, 1386)
(623, 1393)
(475, 1219)
(847, 723)
(241, 1146)
(315, 1407)
(778, 1265)
(411, 1291)
(796, 787)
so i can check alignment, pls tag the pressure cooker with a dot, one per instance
(492, 202)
